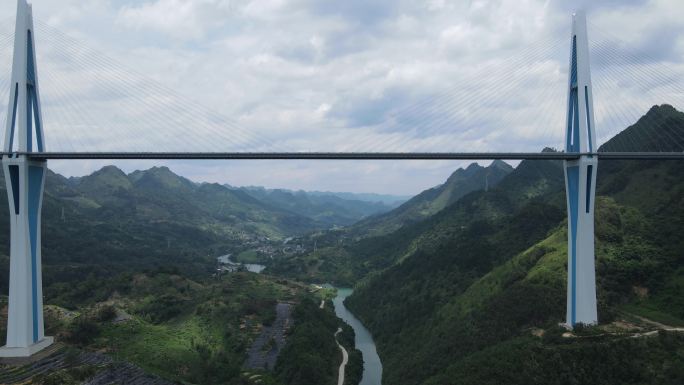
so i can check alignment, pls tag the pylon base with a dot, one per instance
(7, 352)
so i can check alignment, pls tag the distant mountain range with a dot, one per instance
(386, 199)
(155, 217)
(330, 209)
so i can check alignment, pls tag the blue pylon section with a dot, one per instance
(580, 180)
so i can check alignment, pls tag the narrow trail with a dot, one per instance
(345, 359)
(656, 324)
(645, 323)
(322, 303)
(652, 322)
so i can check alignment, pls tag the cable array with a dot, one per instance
(634, 89)
(93, 103)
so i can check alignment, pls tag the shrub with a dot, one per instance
(106, 313)
(83, 331)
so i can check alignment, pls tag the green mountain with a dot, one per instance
(346, 255)
(328, 209)
(129, 269)
(659, 131)
(465, 284)
(109, 222)
(434, 200)
(478, 290)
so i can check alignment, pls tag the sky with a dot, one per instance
(353, 75)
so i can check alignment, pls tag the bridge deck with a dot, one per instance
(352, 155)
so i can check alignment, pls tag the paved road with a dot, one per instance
(345, 360)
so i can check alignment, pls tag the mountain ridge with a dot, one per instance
(482, 273)
(429, 202)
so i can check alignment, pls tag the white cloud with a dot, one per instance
(311, 75)
(180, 19)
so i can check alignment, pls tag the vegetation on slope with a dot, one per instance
(528, 360)
(311, 356)
(434, 200)
(129, 268)
(485, 273)
(344, 257)
(198, 332)
(100, 229)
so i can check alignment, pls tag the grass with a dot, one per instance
(327, 293)
(538, 264)
(161, 349)
(249, 256)
(203, 343)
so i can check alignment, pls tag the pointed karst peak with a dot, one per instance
(108, 173)
(162, 175)
(474, 167)
(663, 109)
(660, 130)
(464, 173)
(157, 171)
(107, 177)
(109, 170)
(161, 170)
(501, 165)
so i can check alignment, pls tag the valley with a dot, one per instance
(464, 283)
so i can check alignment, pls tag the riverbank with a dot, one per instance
(372, 366)
(226, 263)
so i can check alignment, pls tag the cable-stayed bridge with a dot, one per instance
(95, 108)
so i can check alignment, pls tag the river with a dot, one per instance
(372, 367)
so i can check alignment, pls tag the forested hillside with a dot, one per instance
(130, 269)
(484, 278)
(108, 222)
(429, 202)
(346, 255)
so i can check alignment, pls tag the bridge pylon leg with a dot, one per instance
(580, 181)
(25, 179)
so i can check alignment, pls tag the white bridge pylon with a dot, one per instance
(25, 181)
(580, 181)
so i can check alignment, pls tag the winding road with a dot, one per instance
(345, 359)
